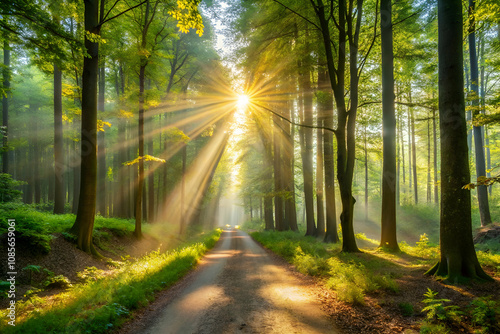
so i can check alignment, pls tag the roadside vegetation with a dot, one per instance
(100, 300)
(377, 278)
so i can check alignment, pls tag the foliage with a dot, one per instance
(8, 191)
(36, 228)
(350, 275)
(406, 309)
(483, 313)
(437, 311)
(101, 304)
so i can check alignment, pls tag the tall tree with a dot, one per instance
(482, 191)
(5, 105)
(388, 235)
(84, 223)
(458, 256)
(59, 195)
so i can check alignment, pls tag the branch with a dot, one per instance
(293, 123)
(120, 14)
(299, 15)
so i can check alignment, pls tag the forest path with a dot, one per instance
(237, 288)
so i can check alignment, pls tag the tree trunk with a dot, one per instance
(365, 148)
(277, 167)
(429, 188)
(307, 150)
(84, 223)
(436, 194)
(345, 132)
(290, 221)
(58, 144)
(482, 191)
(101, 146)
(151, 177)
(5, 105)
(35, 158)
(140, 181)
(388, 235)
(320, 208)
(414, 153)
(458, 256)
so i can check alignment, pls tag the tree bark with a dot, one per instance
(101, 146)
(84, 223)
(59, 197)
(458, 256)
(277, 167)
(388, 237)
(5, 106)
(482, 191)
(346, 119)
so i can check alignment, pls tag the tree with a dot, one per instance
(482, 191)
(458, 257)
(5, 105)
(388, 235)
(84, 223)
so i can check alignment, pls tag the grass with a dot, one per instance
(36, 227)
(104, 302)
(352, 276)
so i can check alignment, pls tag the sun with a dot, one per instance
(243, 100)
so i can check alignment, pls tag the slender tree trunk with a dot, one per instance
(346, 119)
(307, 150)
(59, 197)
(325, 101)
(84, 223)
(289, 183)
(409, 156)
(142, 78)
(101, 147)
(388, 234)
(429, 188)
(76, 179)
(35, 158)
(140, 182)
(5, 105)
(414, 154)
(278, 191)
(320, 208)
(482, 192)
(365, 148)
(151, 177)
(458, 256)
(436, 194)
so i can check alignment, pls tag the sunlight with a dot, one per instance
(243, 101)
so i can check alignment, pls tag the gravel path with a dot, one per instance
(237, 288)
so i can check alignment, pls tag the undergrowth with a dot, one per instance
(35, 228)
(101, 302)
(350, 275)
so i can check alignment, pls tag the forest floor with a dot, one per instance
(382, 311)
(401, 311)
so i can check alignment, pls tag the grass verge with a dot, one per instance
(105, 302)
(350, 275)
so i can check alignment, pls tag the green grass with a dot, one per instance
(36, 227)
(105, 302)
(350, 275)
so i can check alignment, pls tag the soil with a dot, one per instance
(381, 313)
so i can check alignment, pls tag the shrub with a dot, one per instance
(8, 191)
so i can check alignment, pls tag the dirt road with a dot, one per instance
(237, 288)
